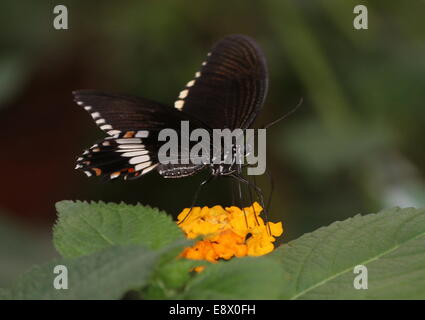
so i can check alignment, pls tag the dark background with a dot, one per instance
(355, 145)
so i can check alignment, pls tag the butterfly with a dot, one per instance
(227, 92)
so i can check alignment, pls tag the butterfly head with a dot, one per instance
(223, 169)
(231, 161)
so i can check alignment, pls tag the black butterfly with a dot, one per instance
(227, 92)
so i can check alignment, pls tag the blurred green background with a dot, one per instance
(355, 145)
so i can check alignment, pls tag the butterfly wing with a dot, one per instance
(230, 88)
(116, 114)
(133, 125)
(119, 157)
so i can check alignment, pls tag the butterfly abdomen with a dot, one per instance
(178, 170)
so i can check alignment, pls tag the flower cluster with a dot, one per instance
(227, 232)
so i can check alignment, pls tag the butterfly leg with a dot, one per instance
(259, 194)
(252, 202)
(270, 195)
(195, 197)
(240, 195)
(237, 193)
(232, 189)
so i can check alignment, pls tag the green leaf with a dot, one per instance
(241, 278)
(170, 278)
(391, 244)
(174, 274)
(103, 275)
(84, 228)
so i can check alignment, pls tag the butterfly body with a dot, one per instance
(227, 92)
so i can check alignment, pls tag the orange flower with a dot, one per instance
(227, 232)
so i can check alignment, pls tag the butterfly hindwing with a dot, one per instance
(133, 124)
(121, 156)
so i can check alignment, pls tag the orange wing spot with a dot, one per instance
(130, 170)
(115, 174)
(97, 171)
(129, 134)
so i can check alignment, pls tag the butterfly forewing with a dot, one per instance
(229, 89)
(116, 114)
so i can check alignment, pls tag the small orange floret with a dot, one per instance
(129, 134)
(227, 232)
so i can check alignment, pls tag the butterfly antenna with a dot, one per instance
(286, 115)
